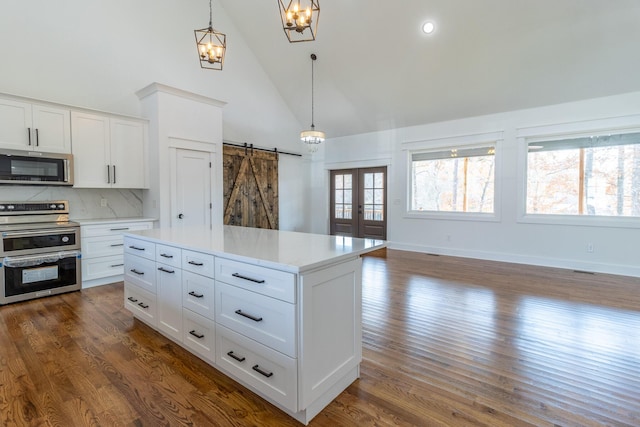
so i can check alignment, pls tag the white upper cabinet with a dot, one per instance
(109, 152)
(34, 127)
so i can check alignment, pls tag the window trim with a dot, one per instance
(451, 142)
(597, 127)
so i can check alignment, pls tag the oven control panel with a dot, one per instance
(28, 208)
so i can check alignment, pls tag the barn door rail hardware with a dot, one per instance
(248, 147)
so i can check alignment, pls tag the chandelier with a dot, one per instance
(312, 137)
(298, 17)
(211, 46)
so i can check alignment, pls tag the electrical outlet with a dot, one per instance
(590, 247)
(103, 203)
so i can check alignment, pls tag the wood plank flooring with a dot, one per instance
(446, 342)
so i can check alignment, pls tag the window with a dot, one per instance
(456, 179)
(590, 176)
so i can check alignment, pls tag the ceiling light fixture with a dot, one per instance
(298, 17)
(212, 46)
(428, 27)
(312, 137)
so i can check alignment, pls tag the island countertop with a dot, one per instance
(285, 250)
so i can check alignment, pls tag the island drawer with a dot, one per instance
(141, 303)
(198, 262)
(140, 247)
(270, 373)
(198, 335)
(266, 320)
(114, 228)
(198, 294)
(266, 281)
(169, 255)
(141, 272)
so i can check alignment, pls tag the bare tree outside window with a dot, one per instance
(457, 179)
(591, 176)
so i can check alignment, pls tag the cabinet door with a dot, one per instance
(52, 129)
(169, 300)
(15, 122)
(128, 153)
(90, 133)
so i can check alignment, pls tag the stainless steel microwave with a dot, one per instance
(34, 167)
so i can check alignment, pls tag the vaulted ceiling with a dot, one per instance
(376, 70)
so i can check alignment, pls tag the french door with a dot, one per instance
(358, 202)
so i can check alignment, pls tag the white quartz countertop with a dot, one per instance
(286, 250)
(97, 221)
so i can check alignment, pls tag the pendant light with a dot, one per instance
(312, 137)
(299, 19)
(212, 46)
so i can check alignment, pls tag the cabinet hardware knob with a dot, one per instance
(238, 358)
(249, 316)
(166, 256)
(198, 264)
(116, 265)
(143, 305)
(139, 273)
(197, 335)
(193, 294)
(260, 371)
(29, 134)
(118, 229)
(37, 138)
(180, 216)
(108, 175)
(240, 276)
(132, 299)
(166, 271)
(117, 244)
(136, 248)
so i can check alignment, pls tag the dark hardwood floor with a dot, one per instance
(446, 342)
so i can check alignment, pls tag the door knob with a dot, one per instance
(180, 216)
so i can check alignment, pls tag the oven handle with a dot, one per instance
(38, 232)
(33, 260)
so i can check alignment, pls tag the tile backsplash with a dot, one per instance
(84, 203)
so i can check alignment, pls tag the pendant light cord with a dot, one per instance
(210, 15)
(313, 59)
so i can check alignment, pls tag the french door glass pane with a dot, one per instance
(339, 181)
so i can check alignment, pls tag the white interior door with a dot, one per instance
(191, 198)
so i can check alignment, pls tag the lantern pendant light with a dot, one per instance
(212, 46)
(299, 19)
(312, 137)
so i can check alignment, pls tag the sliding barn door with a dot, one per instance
(250, 187)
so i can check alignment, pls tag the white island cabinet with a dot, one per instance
(280, 312)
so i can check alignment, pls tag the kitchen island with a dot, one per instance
(278, 311)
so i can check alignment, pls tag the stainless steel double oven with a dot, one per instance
(40, 252)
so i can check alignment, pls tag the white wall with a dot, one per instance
(98, 53)
(503, 240)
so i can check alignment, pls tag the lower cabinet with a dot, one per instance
(294, 339)
(102, 249)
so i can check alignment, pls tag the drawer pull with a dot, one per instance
(166, 271)
(136, 248)
(119, 229)
(139, 273)
(197, 335)
(233, 356)
(197, 264)
(132, 299)
(240, 276)
(116, 265)
(117, 244)
(193, 294)
(248, 316)
(143, 305)
(260, 371)
(166, 256)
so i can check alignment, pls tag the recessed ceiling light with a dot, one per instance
(428, 27)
